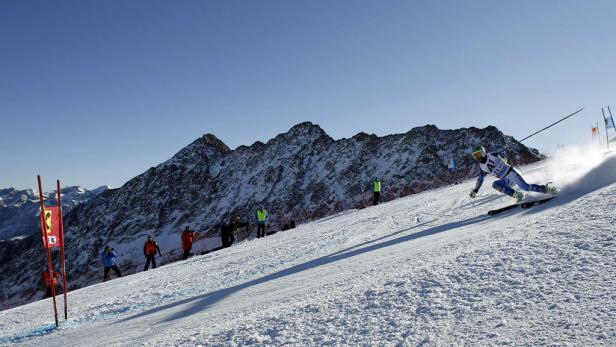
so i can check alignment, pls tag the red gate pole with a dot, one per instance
(49, 264)
(62, 253)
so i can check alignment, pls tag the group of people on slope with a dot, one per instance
(188, 237)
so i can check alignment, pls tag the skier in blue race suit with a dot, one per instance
(508, 176)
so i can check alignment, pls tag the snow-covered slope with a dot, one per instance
(301, 175)
(428, 269)
(19, 209)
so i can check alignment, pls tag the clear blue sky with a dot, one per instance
(96, 92)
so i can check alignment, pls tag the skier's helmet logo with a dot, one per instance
(478, 153)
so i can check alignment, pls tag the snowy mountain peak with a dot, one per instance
(301, 134)
(19, 209)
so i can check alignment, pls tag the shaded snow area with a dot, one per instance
(429, 269)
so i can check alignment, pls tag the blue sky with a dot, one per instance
(96, 92)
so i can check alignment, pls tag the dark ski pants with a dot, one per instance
(376, 198)
(260, 230)
(107, 272)
(186, 254)
(150, 258)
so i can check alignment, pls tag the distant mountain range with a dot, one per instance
(300, 175)
(19, 209)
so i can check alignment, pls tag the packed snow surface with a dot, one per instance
(429, 269)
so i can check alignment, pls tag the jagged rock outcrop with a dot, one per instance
(299, 175)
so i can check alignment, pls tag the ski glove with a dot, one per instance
(473, 194)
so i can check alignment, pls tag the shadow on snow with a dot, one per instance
(202, 302)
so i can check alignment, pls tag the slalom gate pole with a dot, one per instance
(62, 254)
(551, 125)
(49, 263)
(607, 137)
(612, 118)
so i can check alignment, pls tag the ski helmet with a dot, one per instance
(478, 153)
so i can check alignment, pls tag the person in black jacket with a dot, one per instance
(225, 235)
(235, 224)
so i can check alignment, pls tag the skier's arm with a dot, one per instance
(478, 184)
(144, 249)
(158, 249)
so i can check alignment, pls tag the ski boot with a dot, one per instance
(518, 196)
(551, 189)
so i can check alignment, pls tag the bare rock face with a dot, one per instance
(299, 175)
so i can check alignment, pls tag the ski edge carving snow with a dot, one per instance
(522, 205)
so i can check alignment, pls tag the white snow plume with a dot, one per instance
(577, 170)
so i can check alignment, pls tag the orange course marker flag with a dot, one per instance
(52, 226)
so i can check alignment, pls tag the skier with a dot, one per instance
(376, 197)
(188, 237)
(109, 263)
(261, 221)
(149, 250)
(508, 176)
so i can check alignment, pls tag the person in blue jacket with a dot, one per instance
(109, 262)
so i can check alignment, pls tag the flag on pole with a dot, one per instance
(611, 120)
(51, 219)
(609, 123)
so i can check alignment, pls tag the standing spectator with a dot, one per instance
(109, 263)
(47, 281)
(225, 234)
(188, 236)
(149, 250)
(451, 166)
(235, 224)
(261, 221)
(376, 197)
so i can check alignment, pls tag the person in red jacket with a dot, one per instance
(149, 250)
(188, 236)
(47, 282)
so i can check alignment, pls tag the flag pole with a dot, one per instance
(46, 241)
(607, 138)
(62, 253)
(612, 118)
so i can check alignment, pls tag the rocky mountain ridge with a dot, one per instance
(299, 175)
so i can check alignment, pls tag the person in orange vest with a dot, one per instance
(188, 236)
(47, 282)
(261, 221)
(149, 250)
